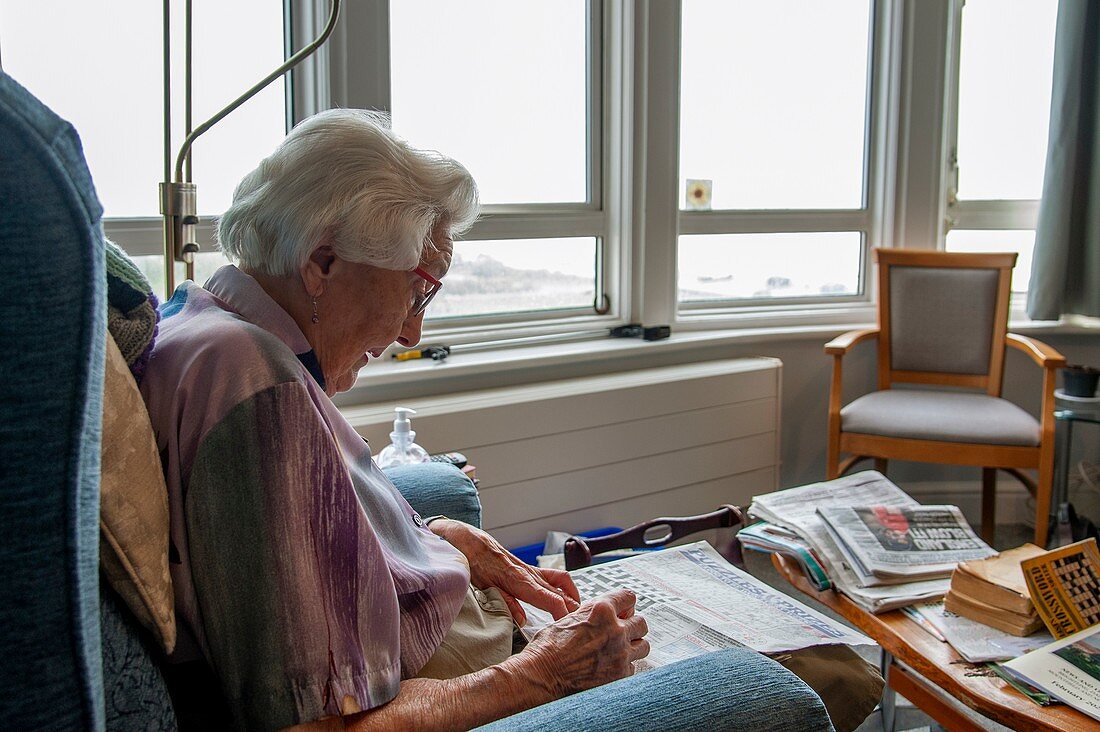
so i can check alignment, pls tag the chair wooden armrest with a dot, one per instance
(1042, 354)
(844, 342)
(649, 534)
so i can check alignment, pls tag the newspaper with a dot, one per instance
(796, 509)
(1065, 587)
(974, 641)
(694, 602)
(890, 544)
(1068, 669)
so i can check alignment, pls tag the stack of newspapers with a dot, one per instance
(861, 529)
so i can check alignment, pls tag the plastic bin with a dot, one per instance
(529, 553)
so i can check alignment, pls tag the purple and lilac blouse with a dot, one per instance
(302, 576)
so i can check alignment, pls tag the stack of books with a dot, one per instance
(994, 592)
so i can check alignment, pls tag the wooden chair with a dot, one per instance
(654, 534)
(943, 325)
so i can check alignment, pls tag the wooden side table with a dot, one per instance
(926, 671)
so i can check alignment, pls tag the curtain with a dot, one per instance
(1065, 272)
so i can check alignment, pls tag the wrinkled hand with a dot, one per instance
(594, 645)
(491, 565)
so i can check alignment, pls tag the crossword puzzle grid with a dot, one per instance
(1079, 577)
(606, 577)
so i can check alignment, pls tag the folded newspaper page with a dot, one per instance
(1068, 669)
(974, 641)
(796, 509)
(694, 602)
(1065, 587)
(892, 544)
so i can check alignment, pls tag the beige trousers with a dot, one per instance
(481, 636)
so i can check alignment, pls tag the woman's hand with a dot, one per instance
(491, 565)
(596, 644)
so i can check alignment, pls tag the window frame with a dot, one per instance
(667, 221)
(975, 214)
(368, 22)
(633, 210)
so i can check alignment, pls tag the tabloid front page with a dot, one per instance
(694, 602)
(891, 543)
(796, 509)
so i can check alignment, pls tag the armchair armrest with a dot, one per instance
(1042, 354)
(435, 489)
(846, 341)
(735, 689)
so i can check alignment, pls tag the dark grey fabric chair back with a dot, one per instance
(943, 318)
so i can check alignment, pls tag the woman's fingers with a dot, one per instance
(561, 579)
(623, 600)
(541, 597)
(519, 617)
(639, 649)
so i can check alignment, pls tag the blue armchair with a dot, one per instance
(73, 656)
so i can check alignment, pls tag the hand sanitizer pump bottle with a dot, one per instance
(402, 450)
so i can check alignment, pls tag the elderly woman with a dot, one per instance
(303, 579)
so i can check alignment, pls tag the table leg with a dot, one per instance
(886, 706)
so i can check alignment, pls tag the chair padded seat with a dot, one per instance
(947, 416)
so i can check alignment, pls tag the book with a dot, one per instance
(998, 580)
(996, 617)
(1065, 586)
(888, 544)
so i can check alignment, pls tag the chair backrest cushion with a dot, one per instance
(942, 319)
(52, 326)
(134, 505)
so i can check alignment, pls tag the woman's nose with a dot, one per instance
(410, 331)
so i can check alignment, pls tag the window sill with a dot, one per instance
(387, 380)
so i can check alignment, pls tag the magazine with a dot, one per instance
(696, 602)
(766, 537)
(891, 544)
(795, 509)
(1065, 587)
(1067, 669)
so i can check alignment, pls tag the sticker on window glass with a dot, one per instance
(698, 194)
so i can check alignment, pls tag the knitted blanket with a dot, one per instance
(131, 310)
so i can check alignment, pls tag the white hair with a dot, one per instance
(342, 177)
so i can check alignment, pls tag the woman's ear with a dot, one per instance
(318, 269)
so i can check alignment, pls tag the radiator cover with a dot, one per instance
(606, 450)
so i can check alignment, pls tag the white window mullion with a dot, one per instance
(922, 140)
(359, 72)
(656, 170)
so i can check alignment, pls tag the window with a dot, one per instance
(102, 71)
(1005, 63)
(702, 163)
(512, 91)
(773, 150)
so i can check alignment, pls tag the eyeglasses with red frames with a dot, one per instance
(425, 295)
